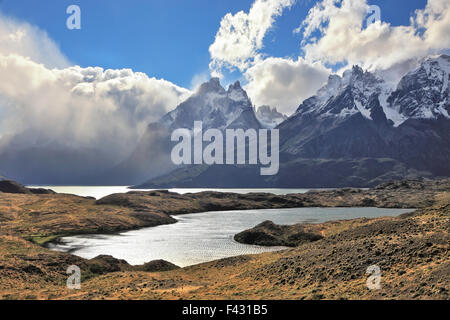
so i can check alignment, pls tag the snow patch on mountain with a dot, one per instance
(365, 112)
(236, 93)
(269, 117)
(422, 93)
(214, 106)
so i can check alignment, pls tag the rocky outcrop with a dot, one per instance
(394, 194)
(412, 252)
(270, 234)
(105, 264)
(157, 266)
(8, 186)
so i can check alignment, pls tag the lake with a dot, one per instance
(202, 237)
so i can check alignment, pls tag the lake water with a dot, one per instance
(202, 237)
(100, 192)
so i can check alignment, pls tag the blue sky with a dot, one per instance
(165, 39)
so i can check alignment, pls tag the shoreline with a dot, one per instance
(85, 243)
(145, 204)
(405, 242)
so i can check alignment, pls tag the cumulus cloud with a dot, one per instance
(198, 79)
(435, 21)
(29, 41)
(345, 39)
(241, 35)
(336, 32)
(88, 107)
(44, 100)
(284, 83)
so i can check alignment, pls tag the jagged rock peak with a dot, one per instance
(269, 117)
(357, 70)
(357, 74)
(213, 85)
(237, 93)
(235, 86)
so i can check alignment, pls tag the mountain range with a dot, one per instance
(358, 130)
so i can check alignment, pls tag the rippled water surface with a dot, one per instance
(202, 237)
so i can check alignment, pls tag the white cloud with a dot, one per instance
(44, 98)
(198, 79)
(241, 35)
(344, 38)
(87, 107)
(29, 41)
(435, 20)
(284, 83)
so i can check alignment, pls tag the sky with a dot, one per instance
(165, 39)
(133, 61)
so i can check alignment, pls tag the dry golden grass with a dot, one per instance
(412, 252)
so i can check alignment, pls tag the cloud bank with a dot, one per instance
(43, 100)
(344, 38)
(88, 107)
(29, 41)
(284, 82)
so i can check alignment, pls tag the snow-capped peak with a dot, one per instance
(213, 85)
(236, 93)
(214, 106)
(269, 117)
(356, 85)
(423, 93)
